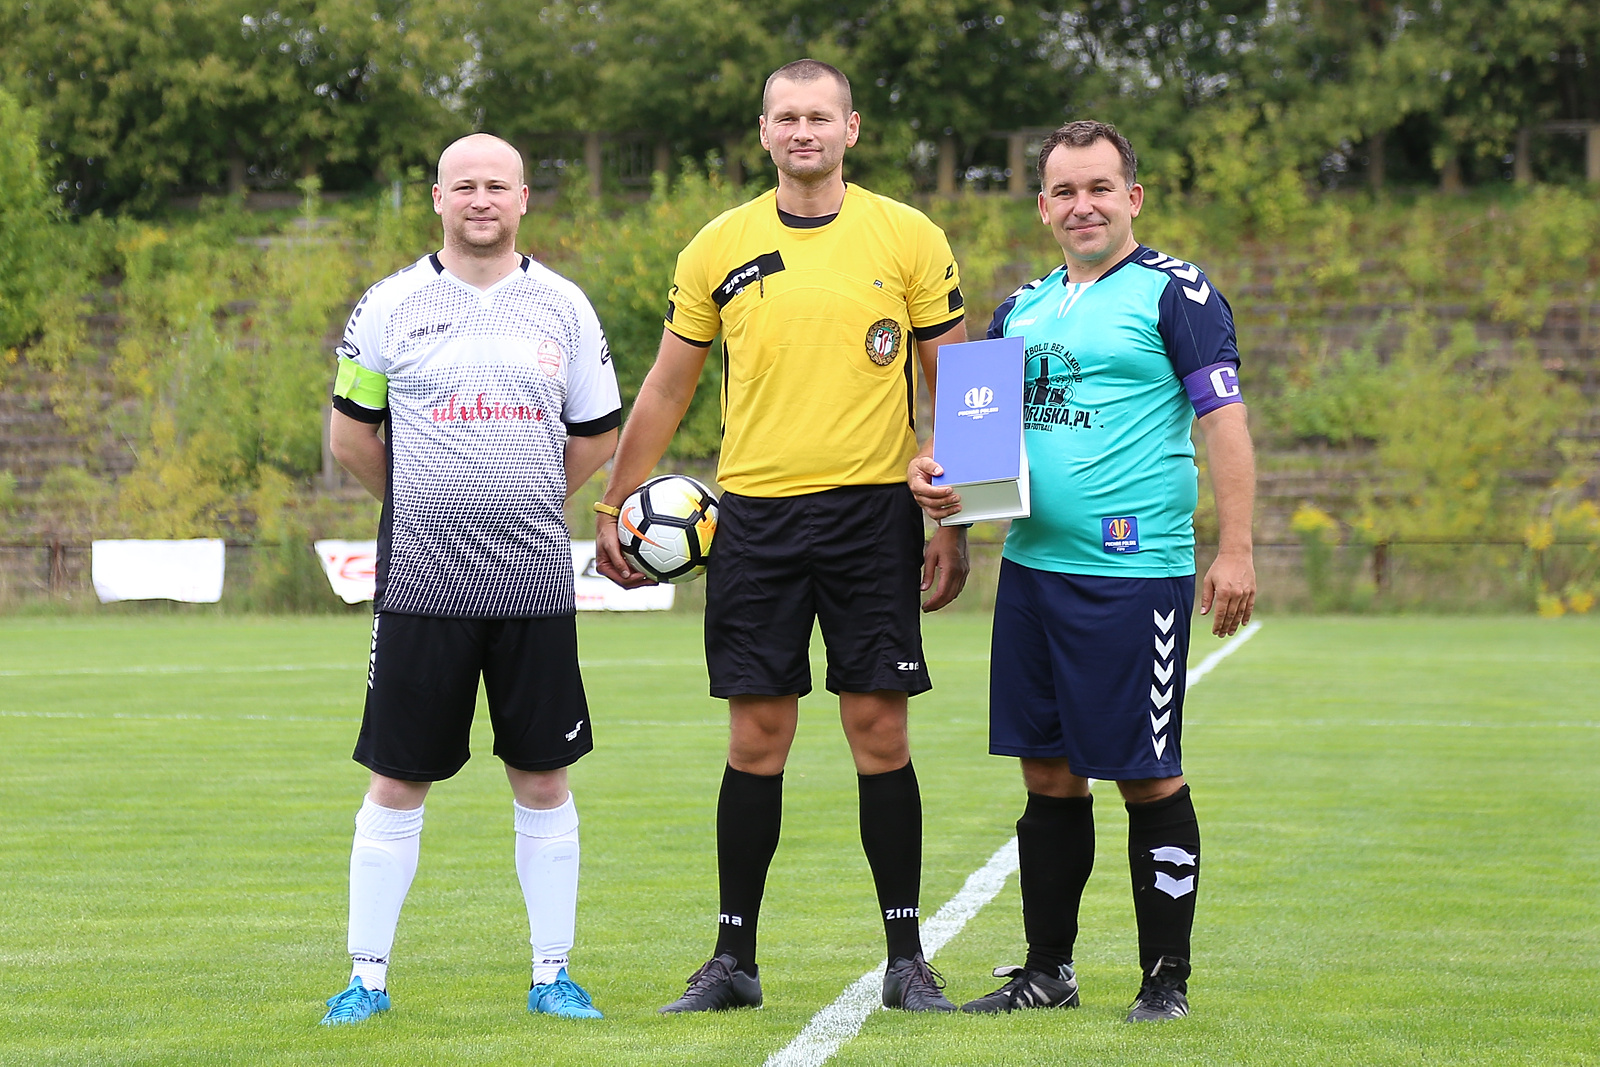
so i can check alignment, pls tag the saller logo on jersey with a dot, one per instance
(883, 341)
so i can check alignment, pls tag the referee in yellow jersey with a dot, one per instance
(827, 298)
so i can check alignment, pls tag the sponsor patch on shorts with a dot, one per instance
(1120, 534)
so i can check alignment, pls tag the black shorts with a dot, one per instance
(849, 558)
(422, 690)
(1090, 669)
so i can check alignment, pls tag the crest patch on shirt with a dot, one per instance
(550, 358)
(883, 341)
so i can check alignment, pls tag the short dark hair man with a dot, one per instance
(493, 377)
(1092, 614)
(820, 292)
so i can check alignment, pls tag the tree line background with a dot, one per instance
(1423, 366)
(139, 98)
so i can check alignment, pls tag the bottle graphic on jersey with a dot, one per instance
(1050, 379)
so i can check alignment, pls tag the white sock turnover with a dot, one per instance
(547, 867)
(383, 861)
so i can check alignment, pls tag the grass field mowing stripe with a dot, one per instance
(841, 1021)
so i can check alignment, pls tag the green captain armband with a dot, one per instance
(365, 387)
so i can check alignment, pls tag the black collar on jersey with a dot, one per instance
(438, 267)
(805, 222)
(1123, 262)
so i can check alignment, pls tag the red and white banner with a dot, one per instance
(596, 592)
(351, 566)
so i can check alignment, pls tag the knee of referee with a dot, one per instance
(761, 729)
(875, 725)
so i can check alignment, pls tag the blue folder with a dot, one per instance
(977, 429)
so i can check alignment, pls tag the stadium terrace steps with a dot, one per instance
(35, 441)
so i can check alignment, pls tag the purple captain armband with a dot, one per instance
(1212, 387)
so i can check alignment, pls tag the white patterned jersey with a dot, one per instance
(480, 389)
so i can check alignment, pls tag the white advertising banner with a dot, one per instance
(351, 567)
(596, 592)
(190, 571)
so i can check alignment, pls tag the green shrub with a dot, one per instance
(31, 261)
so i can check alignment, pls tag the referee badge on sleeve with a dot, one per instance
(883, 341)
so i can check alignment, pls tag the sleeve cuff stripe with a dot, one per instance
(688, 340)
(928, 333)
(595, 427)
(345, 406)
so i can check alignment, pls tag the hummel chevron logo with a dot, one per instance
(1164, 649)
(1161, 699)
(1157, 725)
(1200, 295)
(1174, 855)
(1164, 672)
(1160, 745)
(1164, 622)
(1175, 887)
(1160, 261)
(1188, 273)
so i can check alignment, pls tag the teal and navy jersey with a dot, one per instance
(1116, 371)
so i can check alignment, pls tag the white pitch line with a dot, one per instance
(841, 1021)
(172, 717)
(72, 672)
(1207, 665)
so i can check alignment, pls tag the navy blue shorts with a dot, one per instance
(1090, 669)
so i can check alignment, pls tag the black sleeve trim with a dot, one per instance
(956, 300)
(595, 427)
(688, 340)
(928, 333)
(345, 406)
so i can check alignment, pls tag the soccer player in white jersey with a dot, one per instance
(493, 378)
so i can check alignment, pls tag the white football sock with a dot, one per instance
(547, 867)
(383, 860)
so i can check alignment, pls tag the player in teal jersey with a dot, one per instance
(1126, 347)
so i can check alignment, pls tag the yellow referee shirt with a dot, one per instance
(819, 362)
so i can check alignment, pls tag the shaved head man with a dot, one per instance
(481, 198)
(493, 378)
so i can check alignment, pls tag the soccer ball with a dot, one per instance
(666, 528)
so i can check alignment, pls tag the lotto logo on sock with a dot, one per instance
(1119, 535)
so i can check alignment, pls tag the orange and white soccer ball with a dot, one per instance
(666, 527)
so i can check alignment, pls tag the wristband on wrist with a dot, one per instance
(601, 507)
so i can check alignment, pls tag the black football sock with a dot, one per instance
(749, 816)
(891, 836)
(1164, 860)
(1055, 850)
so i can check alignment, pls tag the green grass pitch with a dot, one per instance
(1400, 822)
